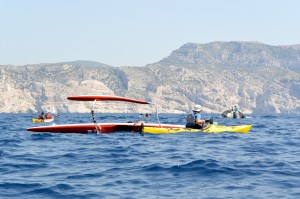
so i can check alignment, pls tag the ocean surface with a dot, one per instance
(265, 163)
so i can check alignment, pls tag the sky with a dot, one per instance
(136, 32)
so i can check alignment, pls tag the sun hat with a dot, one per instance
(197, 108)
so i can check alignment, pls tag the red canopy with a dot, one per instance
(105, 98)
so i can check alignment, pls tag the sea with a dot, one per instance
(265, 163)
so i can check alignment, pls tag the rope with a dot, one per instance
(98, 128)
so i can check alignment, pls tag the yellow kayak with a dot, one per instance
(210, 129)
(42, 120)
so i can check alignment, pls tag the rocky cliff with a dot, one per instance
(260, 78)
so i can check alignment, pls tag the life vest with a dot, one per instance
(48, 116)
(190, 118)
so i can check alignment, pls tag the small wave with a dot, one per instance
(21, 166)
(260, 126)
(43, 193)
(41, 136)
(16, 185)
(11, 142)
(1, 153)
(86, 175)
(197, 167)
(269, 116)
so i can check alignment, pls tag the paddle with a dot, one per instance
(210, 121)
(141, 129)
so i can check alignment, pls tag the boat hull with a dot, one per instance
(42, 120)
(231, 114)
(104, 127)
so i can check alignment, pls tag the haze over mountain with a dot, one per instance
(260, 78)
(85, 63)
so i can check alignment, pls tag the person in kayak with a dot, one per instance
(42, 115)
(48, 115)
(147, 115)
(194, 120)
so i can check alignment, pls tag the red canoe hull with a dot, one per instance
(91, 128)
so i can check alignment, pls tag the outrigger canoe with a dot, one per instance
(96, 127)
(210, 129)
(154, 128)
(42, 120)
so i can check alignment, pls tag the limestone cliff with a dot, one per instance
(261, 79)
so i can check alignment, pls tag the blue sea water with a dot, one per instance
(265, 163)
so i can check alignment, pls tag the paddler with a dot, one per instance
(235, 111)
(42, 115)
(194, 120)
(48, 115)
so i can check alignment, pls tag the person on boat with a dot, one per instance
(194, 120)
(48, 115)
(235, 111)
(42, 115)
(147, 115)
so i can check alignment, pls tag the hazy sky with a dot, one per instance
(136, 32)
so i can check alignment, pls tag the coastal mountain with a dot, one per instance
(235, 54)
(295, 47)
(259, 78)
